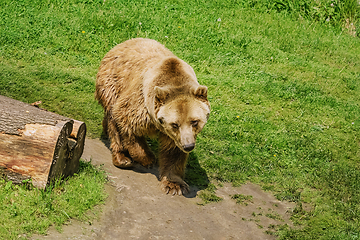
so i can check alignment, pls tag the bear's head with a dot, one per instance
(182, 116)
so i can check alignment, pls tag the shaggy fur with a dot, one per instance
(146, 91)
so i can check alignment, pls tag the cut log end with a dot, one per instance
(77, 142)
(41, 152)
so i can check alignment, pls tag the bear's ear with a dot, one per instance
(201, 92)
(161, 94)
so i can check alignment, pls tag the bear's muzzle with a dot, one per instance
(189, 147)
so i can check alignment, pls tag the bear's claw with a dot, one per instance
(174, 188)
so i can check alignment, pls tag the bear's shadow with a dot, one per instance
(195, 175)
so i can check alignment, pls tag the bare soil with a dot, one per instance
(137, 209)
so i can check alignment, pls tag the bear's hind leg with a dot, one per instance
(119, 158)
(140, 151)
(172, 162)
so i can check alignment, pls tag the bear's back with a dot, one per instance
(122, 67)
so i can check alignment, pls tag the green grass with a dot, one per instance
(26, 210)
(242, 199)
(284, 90)
(208, 195)
(334, 12)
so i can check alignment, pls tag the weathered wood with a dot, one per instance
(37, 152)
(76, 144)
(38, 144)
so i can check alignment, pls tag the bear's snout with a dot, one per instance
(189, 147)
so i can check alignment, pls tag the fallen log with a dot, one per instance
(36, 144)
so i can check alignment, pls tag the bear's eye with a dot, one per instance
(194, 123)
(175, 125)
(161, 120)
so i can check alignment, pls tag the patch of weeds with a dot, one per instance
(337, 13)
(242, 199)
(208, 195)
(298, 209)
(274, 229)
(299, 215)
(274, 216)
(254, 220)
(291, 194)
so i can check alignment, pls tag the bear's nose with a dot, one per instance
(189, 147)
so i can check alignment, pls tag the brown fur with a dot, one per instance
(147, 91)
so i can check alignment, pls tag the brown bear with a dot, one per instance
(146, 91)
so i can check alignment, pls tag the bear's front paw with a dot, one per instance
(174, 187)
(121, 161)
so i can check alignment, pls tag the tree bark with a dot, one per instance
(36, 144)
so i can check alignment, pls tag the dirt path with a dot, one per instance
(138, 209)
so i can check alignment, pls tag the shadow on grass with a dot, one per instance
(195, 175)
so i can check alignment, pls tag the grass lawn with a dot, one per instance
(284, 91)
(26, 210)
